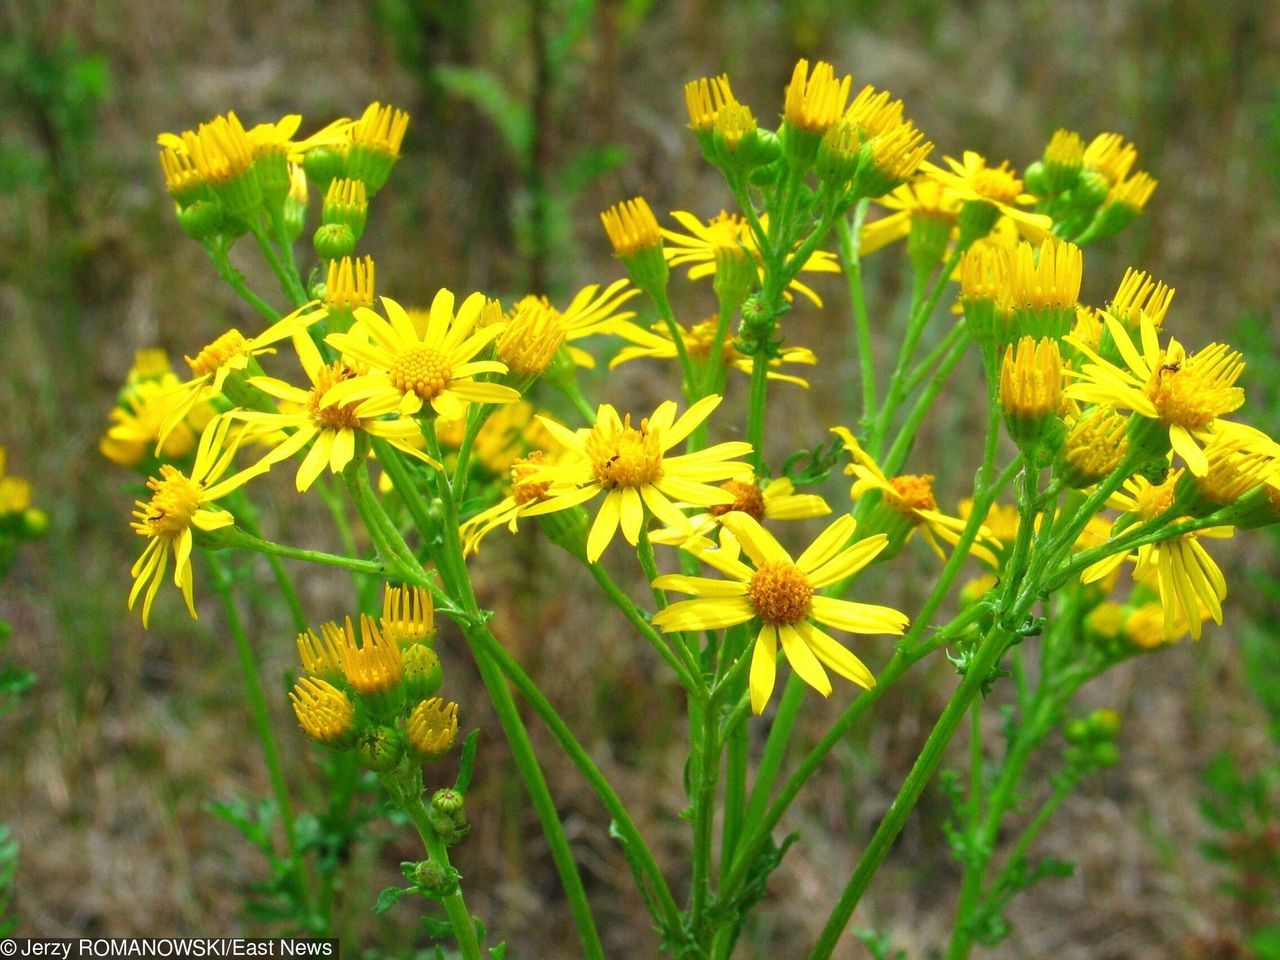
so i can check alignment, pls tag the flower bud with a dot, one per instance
(201, 220)
(432, 728)
(422, 672)
(334, 241)
(323, 165)
(379, 748)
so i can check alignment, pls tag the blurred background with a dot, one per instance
(528, 118)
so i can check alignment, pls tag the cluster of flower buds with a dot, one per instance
(225, 178)
(376, 695)
(1091, 191)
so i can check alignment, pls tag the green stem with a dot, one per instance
(684, 672)
(850, 240)
(775, 748)
(755, 412)
(706, 764)
(453, 571)
(464, 928)
(921, 310)
(239, 538)
(290, 284)
(235, 280)
(985, 658)
(298, 290)
(690, 380)
(906, 437)
(633, 842)
(252, 678)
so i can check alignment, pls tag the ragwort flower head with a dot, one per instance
(179, 505)
(781, 593)
(910, 501)
(1187, 394)
(330, 428)
(631, 465)
(415, 362)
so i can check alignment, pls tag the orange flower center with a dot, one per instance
(422, 370)
(338, 416)
(911, 492)
(1194, 391)
(624, 456)
(780, 592)
(747, 498)
(230, 344)
(524, 491)
(997, 183)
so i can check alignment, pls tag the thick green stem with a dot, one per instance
(775, 748)
(235, 280)
(755, 412)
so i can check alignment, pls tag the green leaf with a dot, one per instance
(467, 762)
(487, 93)
(389, 897)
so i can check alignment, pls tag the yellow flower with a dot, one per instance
(324, 712)
(974, 180)
(144, 423)
(1096, 444)
(1030, 388)
(631, 466)
(408, 615)
(727, 235)
(1185, 393)
(374, 665)
(333, 426)
(815, 100)
(698, 340)
(178, 504)
(782, 594)
(776, 500)
(415, 362)
(229, 353)
(592, 311)
(705, 98)
(922, 199)
(525, 493)
(1139, 294)
(1110, 155)
(15, 492)
(432, 727)
(910, 497)
(631, 227)
(319, 653)
(349, 283)
(1186, 576)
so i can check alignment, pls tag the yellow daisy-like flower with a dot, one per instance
(1186, 393)
(1189, 582)
(526, 493)
(332, 426)
(698, 341)
(178, 504)
(229, 353)
(776, 500)
(324, 712)
(973, 179)
(729, 232)
(415, 361)
(782, 594)
(631, 466)
(923, 198)
(911, 497)
(592, 311)
(144, 422)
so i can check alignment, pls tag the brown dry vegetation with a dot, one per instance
(106, 766)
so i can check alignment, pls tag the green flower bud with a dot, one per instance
(333, 241)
